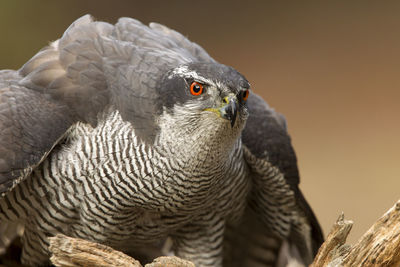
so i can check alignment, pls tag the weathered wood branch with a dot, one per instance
(379, 246)
(75, 252)
(334, 247)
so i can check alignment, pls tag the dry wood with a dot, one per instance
(69, 252)
(334, 246)
(170, 261)
(379, 246)
(75, 252)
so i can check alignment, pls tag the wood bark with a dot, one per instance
(75, 252)
(379, 246)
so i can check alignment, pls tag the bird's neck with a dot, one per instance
(206, 145)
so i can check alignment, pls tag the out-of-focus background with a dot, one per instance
(332, 67)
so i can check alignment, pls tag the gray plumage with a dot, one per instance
(101, 138)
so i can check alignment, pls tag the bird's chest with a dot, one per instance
(203, 188)
(166, 185)
(156, 201)
(126, 189)
(171, 207)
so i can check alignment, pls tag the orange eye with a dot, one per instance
(196, 88)
(245, 95)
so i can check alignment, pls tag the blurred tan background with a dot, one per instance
(332, 67)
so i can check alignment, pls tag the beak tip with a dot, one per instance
(234, 109)
(229, 111)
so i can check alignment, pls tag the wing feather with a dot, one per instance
(277, 209)
(30, 125)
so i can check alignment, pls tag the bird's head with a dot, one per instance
(205, 99)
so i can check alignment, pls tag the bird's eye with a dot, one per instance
(245, 94)
(196, 88)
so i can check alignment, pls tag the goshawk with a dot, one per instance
(129, 134)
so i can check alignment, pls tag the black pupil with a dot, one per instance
(196, 88)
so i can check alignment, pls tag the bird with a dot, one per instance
(128, 135)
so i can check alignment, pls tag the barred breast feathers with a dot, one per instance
(175, 165)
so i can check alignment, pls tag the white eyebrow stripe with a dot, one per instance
(185, 72)
(222, 87)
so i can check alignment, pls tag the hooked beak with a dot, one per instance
(229, 111)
